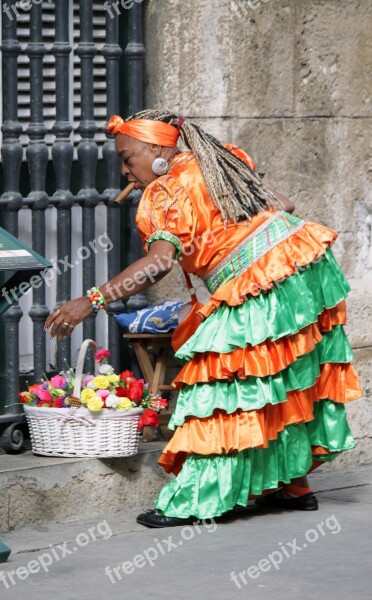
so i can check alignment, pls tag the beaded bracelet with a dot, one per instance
(96, 298)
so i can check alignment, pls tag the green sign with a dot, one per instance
(22, 264)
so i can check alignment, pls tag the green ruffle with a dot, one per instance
(208, 486)
(291, 305)
(252, 393)
(330, 428)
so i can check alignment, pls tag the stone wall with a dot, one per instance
(291, 82)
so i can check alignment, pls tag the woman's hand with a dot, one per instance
(63, 320)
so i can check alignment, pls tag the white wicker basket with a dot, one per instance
(78, 432)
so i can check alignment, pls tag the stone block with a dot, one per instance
(220, 60)
(359, 314)
(333, 58)
(44, 490)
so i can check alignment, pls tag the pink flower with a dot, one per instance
(102, 393)
(57, 381)
(43, 395)
(87, 379)
(102, 354)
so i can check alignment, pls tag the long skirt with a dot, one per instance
(264, 381)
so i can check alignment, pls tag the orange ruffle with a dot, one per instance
(238, 431)
(339, 382)
(332, 316)
(264, 359)
(319, 450)
(299, 249)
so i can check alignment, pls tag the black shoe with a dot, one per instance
(305, 502)
(236, 512)
(152, 518)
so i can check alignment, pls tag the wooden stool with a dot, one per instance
(160, 343)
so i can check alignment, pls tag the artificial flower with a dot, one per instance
(112, 401)
(25, 397)
(113, 378)
(148, 417)
(159, 403)
(135, 391)
(106, 369)
(95, 404)
(43, 395)
(102, 393)
(121, 392)
(102, 354)
(59, 403)
(86, 395)
(57, 392)
(101, 382)
(126, 375)
(125, 404)
(57, 381)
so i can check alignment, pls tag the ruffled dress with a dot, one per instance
(265, 377)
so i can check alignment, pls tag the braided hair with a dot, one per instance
(235, 188)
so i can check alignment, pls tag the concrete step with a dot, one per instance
(40, 489)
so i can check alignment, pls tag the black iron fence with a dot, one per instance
(93, 156)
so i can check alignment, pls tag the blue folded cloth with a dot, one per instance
(161, 318)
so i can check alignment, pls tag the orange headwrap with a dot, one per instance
(152, 132)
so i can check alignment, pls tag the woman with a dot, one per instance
(267, 372)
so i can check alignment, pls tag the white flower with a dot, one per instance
(91, 385)
(112, 401)
(106, 369)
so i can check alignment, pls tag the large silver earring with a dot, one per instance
(160, 166)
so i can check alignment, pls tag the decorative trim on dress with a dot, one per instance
(273, 231)
(169, 237)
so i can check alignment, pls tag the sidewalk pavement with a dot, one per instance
(282, 555)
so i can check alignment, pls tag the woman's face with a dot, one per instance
(137, 158)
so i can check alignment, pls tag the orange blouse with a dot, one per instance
(176, 207)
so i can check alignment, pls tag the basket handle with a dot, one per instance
(80, 365)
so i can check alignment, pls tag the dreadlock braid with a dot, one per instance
(234, 187)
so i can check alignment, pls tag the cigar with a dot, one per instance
(125, 192)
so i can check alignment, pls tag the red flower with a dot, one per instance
(58, 403)
(148, 417)
(160, 403)
(125, 375)
(102, 354)
(121, 392)
(24, 397)
(135, 391)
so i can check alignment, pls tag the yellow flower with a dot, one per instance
(101, 382)
(125, 404)
(95, 404)
(86, 395)
(113, 378)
